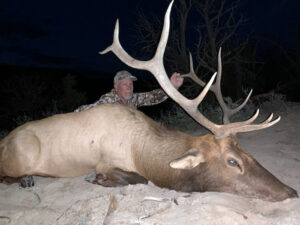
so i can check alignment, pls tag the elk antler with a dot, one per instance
(156, 67)
(216, 89)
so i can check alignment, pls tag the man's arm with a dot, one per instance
(150, 98)
(157, 96)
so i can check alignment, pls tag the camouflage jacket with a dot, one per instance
(138, 99)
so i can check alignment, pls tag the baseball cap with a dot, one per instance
(123, 74)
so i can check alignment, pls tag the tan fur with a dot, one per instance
(73, 144)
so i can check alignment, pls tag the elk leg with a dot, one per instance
(26, 181)
(115, 178)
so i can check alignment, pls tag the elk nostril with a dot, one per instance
(293, 193)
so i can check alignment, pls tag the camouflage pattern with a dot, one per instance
(137, 100)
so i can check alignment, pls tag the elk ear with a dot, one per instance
(188, 160)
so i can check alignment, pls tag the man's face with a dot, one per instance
(124, 88)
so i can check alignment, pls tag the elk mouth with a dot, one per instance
(286, 193)
(289, 193)
(265, 194)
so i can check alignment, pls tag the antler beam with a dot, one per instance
(156, 67)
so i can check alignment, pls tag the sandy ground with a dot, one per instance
(74, 201)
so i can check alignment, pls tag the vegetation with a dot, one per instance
(31, 93)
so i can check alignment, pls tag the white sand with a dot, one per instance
(74, 201)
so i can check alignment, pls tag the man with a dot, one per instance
(123, 92)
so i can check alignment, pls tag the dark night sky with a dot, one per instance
(69, 34)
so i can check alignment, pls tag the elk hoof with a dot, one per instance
(94, 177)
(27, 181)
(115, 178)
(101, 179)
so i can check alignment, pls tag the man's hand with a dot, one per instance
(176, 80)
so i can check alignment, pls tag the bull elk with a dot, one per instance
(123, 146)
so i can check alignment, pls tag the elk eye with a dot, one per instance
(233, 163)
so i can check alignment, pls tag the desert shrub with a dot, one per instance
(176, 117)
(271, 103)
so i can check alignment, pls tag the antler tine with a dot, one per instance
(240, 127)
(252, 127)
(227, 112)
(118, 50)
(269, 119)
(156, 67)
(193, 75)
(216, 89)
(200, 97)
